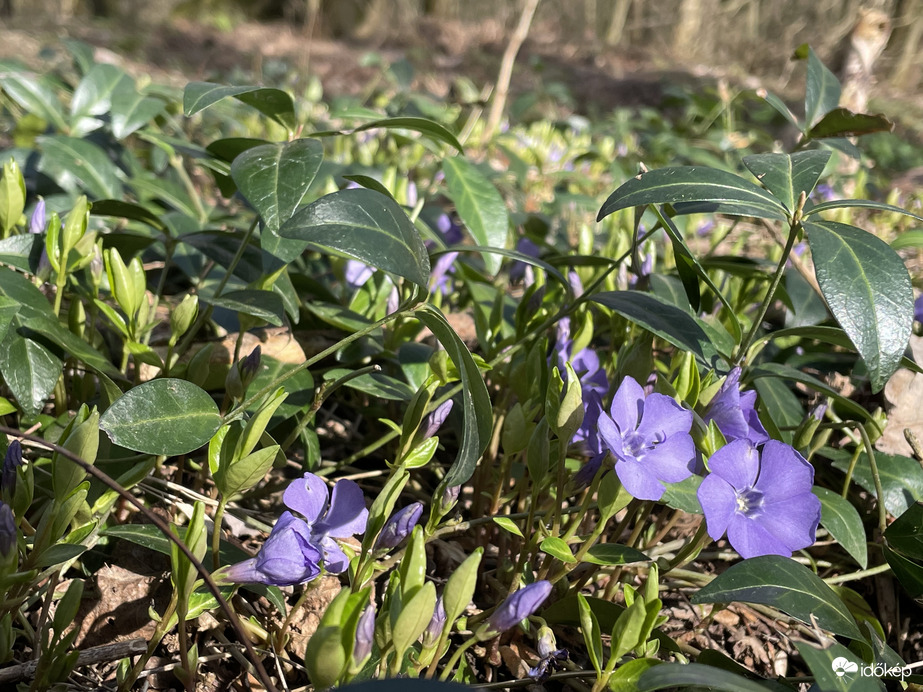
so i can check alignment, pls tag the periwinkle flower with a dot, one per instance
(550, 654)
(357, 273)
(38, 220)
(399, 526)
(918, 309)
(516, 608)
(521, 271)
(434, 629)
(288, 557)
(761, 497)
(12, 459)
(434, 420)
(7, 530)
(734, 412)
(649, 438)
(365, 636)
(444, 266)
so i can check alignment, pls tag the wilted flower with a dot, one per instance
(250, 366)
(551, 656)
(516, 608)
(761, 497)
(12, 459)
(296, 549)
(734, 412)
(649, 438)
(365, 636)
(7, 530)
(399, 526)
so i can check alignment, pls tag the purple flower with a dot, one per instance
(434, 420)
(12, 459)
(437, 622)
(520, 271)
(761, 497)
(551, 656)
(918, 309)
(357, 273)
(7, 530)
(38, 221)
(288, 557)
(399, 526)
(516, 608)
(345, 515)
(365, 635)
(649, 438)
(734, 412)
(444, 266)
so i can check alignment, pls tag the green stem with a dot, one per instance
(850, 470)
(159, 633)
(862, 574)
(456, 657)
(216, 533)
(879, 491)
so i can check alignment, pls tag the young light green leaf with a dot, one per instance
(245, 473)
(414, 617)
(868, 290)
(784, 584)
(459, 589)
(842, 520)
(479, 205)
(165, 416)
(614, 554)
(556, 547)
(507, 524)
(592, 636)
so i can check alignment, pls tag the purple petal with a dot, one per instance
(610, 433)
(627, 404)
(638, 481)
(737, 462)
(918, 309)
(719, 503)
(672, 460)
(308, 496)
(751, 539)
(793, 521)
(519, 606)
(365, 635)
(663, 417)
(589, 470)
(357, 273)
(7, 530)
(335, 560)
(37, 222)
(399, 526)
(347, 515)
(783, 473)
(434, 420)
(246, 572)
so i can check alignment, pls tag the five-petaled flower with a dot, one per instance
(734, 412)
(296, 548)
(761, 497)
(649, 438)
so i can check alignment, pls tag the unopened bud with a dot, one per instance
(365, 635)
(434, 629)
(434, 420)
(7, 532)
(12, 459)
(515, 609)
(182, 316)
(399, 526)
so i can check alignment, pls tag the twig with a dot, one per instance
(87, 657)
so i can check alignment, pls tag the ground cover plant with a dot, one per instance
(381, 396)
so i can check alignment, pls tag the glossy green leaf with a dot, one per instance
(842, 520)
(901, 479)
(127, 210)
(264, 305)
(274, 179)
(905, 534)
(55, 332)
(476, 406)
(479, 205)
(8, 310)
(787, 176)
(22, 251)
(677, 675)
(273, 103)
(662, 319)
(29, 368)
(822, 91)
(131, 111)
(430, 128)
(844, 123)
(79, 165)
(556, 547)
(374, 383)
(37, 95)
(859, 204)
(592, 636)
(694, 184)
(783, 584)
(364, 225)
(32, 301)
(614, 554)
(166, 416)
(828, 677)
(683, 495)
(867, 288)
(369, 182)
(908, 572)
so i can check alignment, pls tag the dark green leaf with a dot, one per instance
(264, 305)
(683, 495)
(784, 584)
(273, 103)
(300, 387)
(476, 406)
(29, 369)
(822, 92)
(844, 123)
(662, 319)
(786, 176)
(127, 210)
(79, 165)
(55, 332)
(790, 374)
(369, 183)
(374, 383)
(694, 184)
(906, 533)
(908, 572)
(132, 111)
(8, 310)
(781, 404)
(274, 179)
(58, 554)
(901, 479)
(673, 675)
(479, 205)
(867, 288)
(223, 246)
(614, 554)
(364, 225)
(859, 204)
(780, 106)
(842, 520)
(425, 126)
(166, 416)
(37, 95)
(22, 251)
(166, 191)
(19, 288)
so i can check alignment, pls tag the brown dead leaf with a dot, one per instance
(305, 622)
(904, 393)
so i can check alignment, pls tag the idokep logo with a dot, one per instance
(843, 665)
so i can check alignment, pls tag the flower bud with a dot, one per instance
(182, 316)
(7, 532)
(250, 366)
(434, 420)
(515, 609)
(365, 635)
(399, 526)
(434, 629)
(12, 459)
(38, 220)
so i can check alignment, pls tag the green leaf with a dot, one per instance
(867, 288)
(274, 179)
(694, 184)
(859, 204)
(673, 675)
(276, 104)
(787, 176)
(901, 479)
(592, 636)
(683, 495)
(913, 238)
(662, 319)
(905, 534)
(93, 95)
(245, 473)
(414, 617)
(166, 416)
(131, 111)
(822, 92)
(127, 210)
(374, 383)
(459, 589)
(476, 406)
(37, 95)
(784, 584)
(790, 374)
(557, 548)
(507, 524)
(79, 164)
(626, 676)
(55, 332)
(364, 225)
(821, 664)
(29, 369)
(479, 205)
(908, 572)
(8, 310)
(614, 554)
(264, 305)
(31, 300)
(844, 123)
(425, 126)
(842, 520)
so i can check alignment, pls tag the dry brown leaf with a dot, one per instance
(904, 393)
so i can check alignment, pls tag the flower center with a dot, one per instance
(749, 501)
(633, 444)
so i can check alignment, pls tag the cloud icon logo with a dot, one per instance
(843, 665)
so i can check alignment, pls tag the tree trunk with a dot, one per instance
(618, 21)
(907, 70)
